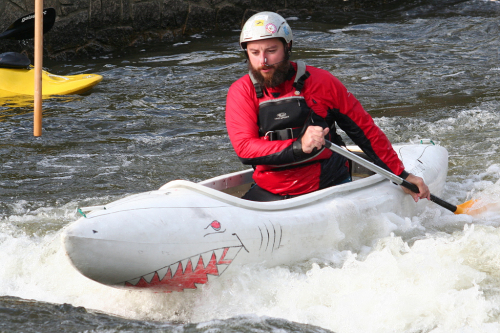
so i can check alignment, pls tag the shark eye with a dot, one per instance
(215, 225)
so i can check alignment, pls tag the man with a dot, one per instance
(279, 115)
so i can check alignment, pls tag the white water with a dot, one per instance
(437, 272)
(441, 283)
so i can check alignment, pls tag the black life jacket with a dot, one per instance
(288, 117)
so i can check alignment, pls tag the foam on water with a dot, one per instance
(442, 283)
(410, 281)
(396, 288)
(438, 272)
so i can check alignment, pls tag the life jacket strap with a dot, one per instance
(284, 134)
(300, 77)
(258, 88)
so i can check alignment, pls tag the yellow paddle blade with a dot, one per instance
(467, 208)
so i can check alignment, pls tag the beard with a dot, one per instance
(278, 76)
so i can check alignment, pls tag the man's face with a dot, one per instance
(271, 52)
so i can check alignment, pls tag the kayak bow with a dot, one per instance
(17, 81)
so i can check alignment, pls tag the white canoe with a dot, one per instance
(181, 235)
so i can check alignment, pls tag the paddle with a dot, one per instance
(460, 209)
(24, 28)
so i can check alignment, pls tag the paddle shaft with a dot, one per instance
(387, 174)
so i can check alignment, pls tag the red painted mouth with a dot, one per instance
(186, 277)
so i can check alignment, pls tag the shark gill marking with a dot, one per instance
(267, 244)
(261, 238)
(281, 236)
(276, 238)
(275, 230)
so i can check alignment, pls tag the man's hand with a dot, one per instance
(314, 137)
(423, 189)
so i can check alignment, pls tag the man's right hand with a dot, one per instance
(314, 137)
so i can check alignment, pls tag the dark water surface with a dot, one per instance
(158, 115)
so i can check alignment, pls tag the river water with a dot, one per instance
(158, 115)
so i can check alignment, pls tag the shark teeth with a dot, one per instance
(231, 253)
(206, 257)
(161, 273)
(189, 272)
(134, 281)
(184, 264)
(148, 277)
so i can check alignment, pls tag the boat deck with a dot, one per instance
(238, 183)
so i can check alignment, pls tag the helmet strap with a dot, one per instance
(288, 49)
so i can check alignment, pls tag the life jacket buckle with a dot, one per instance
(284, 134)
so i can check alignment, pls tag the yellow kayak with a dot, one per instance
(20, 81)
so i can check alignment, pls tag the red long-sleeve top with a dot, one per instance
(325, 95)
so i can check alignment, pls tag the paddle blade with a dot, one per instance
(24, 28)
(468, 208)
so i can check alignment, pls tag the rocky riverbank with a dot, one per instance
(86, 28)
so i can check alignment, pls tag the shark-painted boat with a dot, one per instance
(184, 234)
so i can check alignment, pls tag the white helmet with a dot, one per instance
(265, 25)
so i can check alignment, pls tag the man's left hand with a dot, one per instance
(424, 191)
